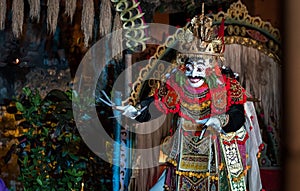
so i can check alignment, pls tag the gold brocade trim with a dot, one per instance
(228, 137)
(192, 165)
(172, 161)
(238, 13)
(272, 53)
(197, 174)
(201, 106)
(207, 174)
(240, 134)
(242, 175)
(189, 126)
(195, 114)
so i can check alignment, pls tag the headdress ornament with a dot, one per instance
(199, 38)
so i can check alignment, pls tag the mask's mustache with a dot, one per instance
(196, 77)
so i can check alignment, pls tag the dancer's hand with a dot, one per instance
(128, 111)
(215, 123)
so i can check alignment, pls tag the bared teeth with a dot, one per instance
(194, 80)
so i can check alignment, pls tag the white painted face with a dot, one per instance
(195, 71)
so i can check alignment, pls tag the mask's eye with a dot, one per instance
(200, 65)
(189, 67)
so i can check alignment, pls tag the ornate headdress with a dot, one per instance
(199, 38)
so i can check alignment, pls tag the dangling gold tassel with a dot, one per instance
(52, 15)
(70, 8)
(105, 17)
(87, 20)
(35, 7)
(17, 17)
(2, 14)
(116, 39)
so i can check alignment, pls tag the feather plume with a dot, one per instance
(17, 17)
(70, 8)
(116, 39)
(52, 15)
(2, 14)
(35, 7)
(87, 20)
(105, 17)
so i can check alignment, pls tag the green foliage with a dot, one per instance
(53, 157)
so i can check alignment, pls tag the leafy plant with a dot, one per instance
(52, 155)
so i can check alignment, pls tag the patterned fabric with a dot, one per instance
(186, 183)
(198, 103)
(215, 162)
(212, 163)
(236, 93)
(194, 154)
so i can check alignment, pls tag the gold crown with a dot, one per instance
(199, 37)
